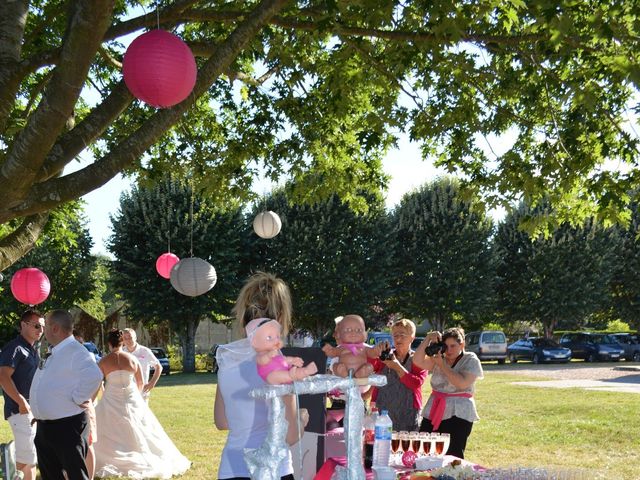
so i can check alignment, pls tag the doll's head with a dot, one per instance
(351, 329)
(264, 334)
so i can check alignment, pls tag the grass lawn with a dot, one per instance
(519, 426)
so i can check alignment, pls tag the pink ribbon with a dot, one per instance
(439, 404)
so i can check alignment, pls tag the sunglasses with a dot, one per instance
(37, 326)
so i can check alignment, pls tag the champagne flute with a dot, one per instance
(415, 442)
(395, 444)
(426, 443)
(405, 443)
(442, 444)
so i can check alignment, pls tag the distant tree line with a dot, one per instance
(437, 256)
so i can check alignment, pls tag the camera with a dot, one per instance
(386, 354)
(436, 348)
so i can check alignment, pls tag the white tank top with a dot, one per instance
(247, 418)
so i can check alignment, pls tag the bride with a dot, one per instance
(132, 443)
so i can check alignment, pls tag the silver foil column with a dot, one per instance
(263, 462)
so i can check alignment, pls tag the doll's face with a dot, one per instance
(351, 329)
(267, 338)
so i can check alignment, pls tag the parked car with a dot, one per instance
(538, 350)
(374, 338)
(487, 345)
(630, 344)
(93, 349)
(161, 355)
(592, 346)
(211, 362)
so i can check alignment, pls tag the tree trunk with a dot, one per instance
(439, 323)
(189, 346)
(549, 328)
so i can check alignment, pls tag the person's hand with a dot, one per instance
(433, 337)
(295, 362)
(147, 387)
(379, 348)
(304, 418)
(392, 363)
(438, 360)
(23, 406)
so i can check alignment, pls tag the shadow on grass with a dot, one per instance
(179, 379)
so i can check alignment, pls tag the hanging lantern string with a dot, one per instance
(169, 228)
(191, 214)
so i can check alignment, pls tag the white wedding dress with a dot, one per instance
(131, 441)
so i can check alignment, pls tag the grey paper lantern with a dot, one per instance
(193, 276)
(267, 224)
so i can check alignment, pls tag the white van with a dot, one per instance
(487, 345)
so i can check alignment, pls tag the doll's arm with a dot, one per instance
(374, 352)
(330, 351)
(294, 361)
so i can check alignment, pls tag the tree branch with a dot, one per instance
(86, 132)
(15, 245)
(112, 61)
(27, 153)
(53, 192)
(12, 24)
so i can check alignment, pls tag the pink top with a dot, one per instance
(276, 363)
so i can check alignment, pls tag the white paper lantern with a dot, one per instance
(267, 224)
(193, 276)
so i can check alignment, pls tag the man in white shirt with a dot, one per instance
(146, 358)
(60, 391)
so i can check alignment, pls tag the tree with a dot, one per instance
(555, 281)
(625, 283)
(314, 90)
(334, 260)
(151, 218)
(444, 266)
(63, 253)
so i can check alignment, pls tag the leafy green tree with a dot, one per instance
(556, 281)
(444, 265)
(148, 219)
(315, 90)
(334, 260)
(63, 253)
(625, 284)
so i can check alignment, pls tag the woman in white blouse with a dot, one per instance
(451, 407)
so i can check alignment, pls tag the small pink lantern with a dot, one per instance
(159, 69)
(30, 286)
(165, 263)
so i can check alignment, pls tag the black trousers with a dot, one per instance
(458, 429)
(62, 445)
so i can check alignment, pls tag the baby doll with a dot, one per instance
(273, 367)
(352, 351)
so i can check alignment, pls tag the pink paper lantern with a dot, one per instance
(159, 69)
(165, 263)
(30, 286)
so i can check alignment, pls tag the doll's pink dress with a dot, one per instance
(276, 363)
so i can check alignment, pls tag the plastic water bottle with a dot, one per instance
(382, 443)
(369, 428)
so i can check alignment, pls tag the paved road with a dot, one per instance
(612, 377)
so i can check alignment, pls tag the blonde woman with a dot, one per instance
(246, 418)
